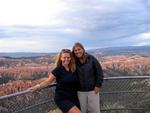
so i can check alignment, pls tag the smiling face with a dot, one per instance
(65, 58)
(79, 52)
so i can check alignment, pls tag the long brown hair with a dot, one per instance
(58, 62)
(78, 44)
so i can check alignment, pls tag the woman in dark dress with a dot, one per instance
(66, 89)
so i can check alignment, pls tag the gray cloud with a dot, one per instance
(97, 23)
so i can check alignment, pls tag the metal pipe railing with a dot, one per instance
(115, 93)
(106, 78)
(20, 93)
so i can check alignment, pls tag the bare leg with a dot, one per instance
(74, 109)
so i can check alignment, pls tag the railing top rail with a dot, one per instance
(19, 93)
(127, 77)
(14, 94)
(105, 78)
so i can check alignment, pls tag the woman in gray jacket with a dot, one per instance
(90, 76)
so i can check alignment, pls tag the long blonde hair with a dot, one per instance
(72, 65)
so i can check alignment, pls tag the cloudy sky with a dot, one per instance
(49, 25)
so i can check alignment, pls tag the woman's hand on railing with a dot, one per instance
(34, 88)
(96, 89)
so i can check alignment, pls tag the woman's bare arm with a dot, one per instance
(43, 84)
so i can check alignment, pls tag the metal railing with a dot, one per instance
(128, 94)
